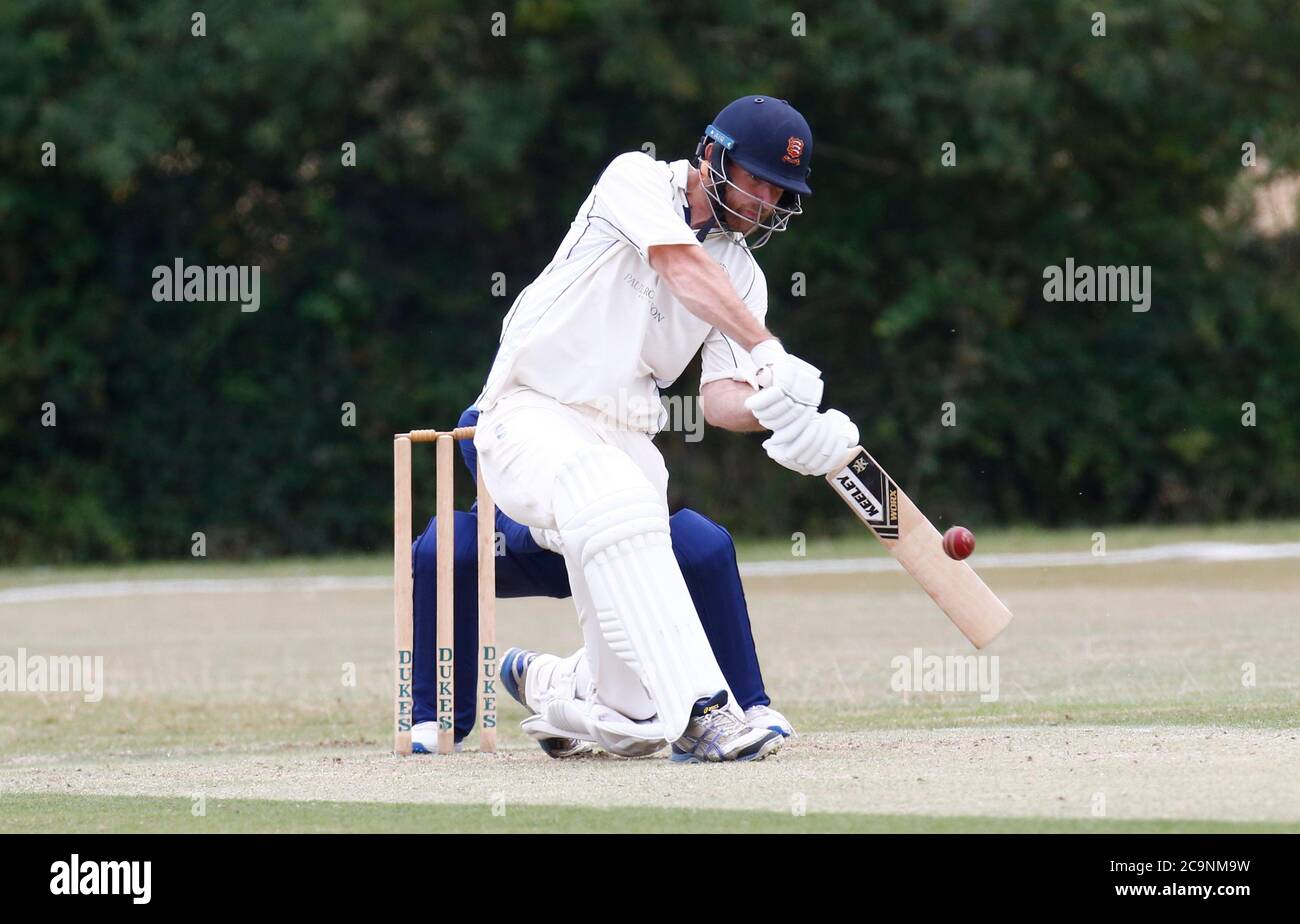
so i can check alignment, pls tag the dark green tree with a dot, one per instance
(924, 281)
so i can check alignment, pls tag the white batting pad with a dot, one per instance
(609, 516)
(615, 732)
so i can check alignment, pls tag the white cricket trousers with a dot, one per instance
(529, 447)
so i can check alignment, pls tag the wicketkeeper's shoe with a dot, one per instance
(714, 734)
(767, 717)
(514, 668)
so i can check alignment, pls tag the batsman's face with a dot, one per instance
(752, 199)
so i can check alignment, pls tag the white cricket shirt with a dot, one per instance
(597, 327)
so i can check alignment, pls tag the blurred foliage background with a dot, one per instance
(924, 282)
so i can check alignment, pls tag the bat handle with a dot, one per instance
(763, 378)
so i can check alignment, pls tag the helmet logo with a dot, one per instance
(793, 150)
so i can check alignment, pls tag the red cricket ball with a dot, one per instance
(958, 542)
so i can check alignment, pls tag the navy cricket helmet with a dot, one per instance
(770, 139)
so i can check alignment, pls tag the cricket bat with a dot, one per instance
(918, 547)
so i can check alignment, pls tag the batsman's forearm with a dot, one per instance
(705, 289)
(723, 403)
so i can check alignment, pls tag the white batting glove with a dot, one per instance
(776, 411)
(816, 447)
(800, 383)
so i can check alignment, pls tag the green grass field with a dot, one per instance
(1152, 697)
(139, 815)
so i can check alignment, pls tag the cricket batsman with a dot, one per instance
(656, 267)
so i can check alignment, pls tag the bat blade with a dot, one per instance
(918, 547)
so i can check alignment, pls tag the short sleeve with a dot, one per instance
(635, 199)
(723, 358)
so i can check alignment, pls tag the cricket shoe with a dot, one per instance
(713, 734)
(767, 717)
(514, 668)
(424, 738)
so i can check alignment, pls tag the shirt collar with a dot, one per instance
(681, 170)
(681, 173)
